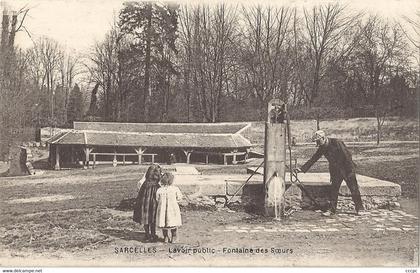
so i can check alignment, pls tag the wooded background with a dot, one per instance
(213, 62)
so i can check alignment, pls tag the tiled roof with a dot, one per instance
(203, 128)
(211, 138)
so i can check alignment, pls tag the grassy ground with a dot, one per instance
(357, 129)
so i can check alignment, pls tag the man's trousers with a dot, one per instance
(336, 180)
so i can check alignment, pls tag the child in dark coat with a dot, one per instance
(146, 204)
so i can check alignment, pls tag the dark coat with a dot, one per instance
(146, 204)
(338, 156)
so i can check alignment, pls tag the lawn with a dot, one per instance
(356, 129)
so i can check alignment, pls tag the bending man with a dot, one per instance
(341, 167)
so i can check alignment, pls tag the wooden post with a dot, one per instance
(94, 161)
(274, 157)
(234, 162)
(57, 158)
(153, 158)
(224, 159)
(207, 159)
(71, 154)
(246, 155)
(87, 152)
(115, 162)
(50, 155)
(139, 152)
(188, 154)
(123, 160)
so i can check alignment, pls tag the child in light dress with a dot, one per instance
(168, 215)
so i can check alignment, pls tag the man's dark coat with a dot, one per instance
(338, 156)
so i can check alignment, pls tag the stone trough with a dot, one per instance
(375, 193)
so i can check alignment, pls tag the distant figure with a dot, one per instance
(341, 167)
(172, 158)
(294, 141)
(146, 204)
(168, 215)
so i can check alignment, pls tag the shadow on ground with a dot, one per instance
(126, 204)
(128, 235)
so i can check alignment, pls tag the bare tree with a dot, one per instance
(413, 35)
(69, 70)
(105, 70)
(382, 53)
(325, 28)
(186, 41)
(13, 88)
(413, 32)
(208, 36)
(46, 57)
(265, 52)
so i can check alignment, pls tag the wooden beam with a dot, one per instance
(87, 152)
(139, 152)
(115, 162)
(188, 157)
(57, 158)
(234, 162)
(71, 154)
(50, 154)
(188, 154)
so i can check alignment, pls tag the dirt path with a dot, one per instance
(108, 236)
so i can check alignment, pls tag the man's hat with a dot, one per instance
(318, 135)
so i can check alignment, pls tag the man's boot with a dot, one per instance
(360, 209)
(331, 210)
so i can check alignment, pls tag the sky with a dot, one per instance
(78, 24)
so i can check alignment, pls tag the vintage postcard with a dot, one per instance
(209, 133)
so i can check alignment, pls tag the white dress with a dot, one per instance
(168, 213)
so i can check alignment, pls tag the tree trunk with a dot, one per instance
(147, 90)
(5, 31)
(4, 48)
(12, 34)
(379, 128)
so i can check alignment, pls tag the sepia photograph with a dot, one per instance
(209, 133)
